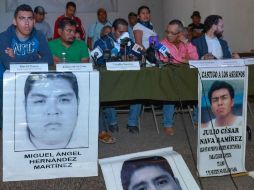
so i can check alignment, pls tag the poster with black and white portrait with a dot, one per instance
(50, 125)
(154, 169)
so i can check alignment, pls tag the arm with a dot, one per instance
(138, 34)
(84, 53)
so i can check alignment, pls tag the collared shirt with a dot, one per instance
(183, 51)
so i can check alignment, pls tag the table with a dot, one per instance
(170, 83)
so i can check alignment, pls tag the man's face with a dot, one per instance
(120, 30)
(219, 28)
(70, 11)
(102, 16)
(152, 178)
(196, 20)
(68, 34)
(222, 103)
(39, 17)
(51, 111)
(172, 33)
(24, 22)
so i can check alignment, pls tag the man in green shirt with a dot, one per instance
(67, 48)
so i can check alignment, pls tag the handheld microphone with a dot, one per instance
(124, 39)
(107, 55)
(163, 50)
(138, 49)
(114, 54)
(96, 52)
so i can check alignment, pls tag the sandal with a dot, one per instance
(106, 138)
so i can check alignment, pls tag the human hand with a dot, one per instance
(235, 56)
(10, 52)
(209, 56)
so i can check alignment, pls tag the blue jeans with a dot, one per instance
(134, 113)
(111, 116)
(168, 113)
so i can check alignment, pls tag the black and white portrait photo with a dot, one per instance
(51, 107)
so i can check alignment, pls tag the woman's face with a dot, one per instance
(144, 15)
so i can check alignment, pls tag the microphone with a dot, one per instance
(163, 50)
(107, 55)
(138, 49)
(96, 53)
(114, 54)
(124, 39)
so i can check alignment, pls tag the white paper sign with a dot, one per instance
(123, 66)
(222, 120)
(216, 63)
(50, 125)
(249, 61)
(126, 171)
(74, 67)
(28, 67)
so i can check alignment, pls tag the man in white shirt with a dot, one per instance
(210, 45)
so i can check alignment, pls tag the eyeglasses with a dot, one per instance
(69, 31)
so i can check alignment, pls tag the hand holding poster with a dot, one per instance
(50, 127)
(222, 124)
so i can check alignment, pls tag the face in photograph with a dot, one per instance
(151, 173)
(152, 178)
(51, 107)
(221, 103)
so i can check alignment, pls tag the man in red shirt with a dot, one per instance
(70, 12)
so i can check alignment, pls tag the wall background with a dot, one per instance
(238, 16)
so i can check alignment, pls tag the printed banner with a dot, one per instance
(56, 6)
(50, 125)
(155, 169)
(222, 120)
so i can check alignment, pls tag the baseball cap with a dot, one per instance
(40, 10)
(195, 13)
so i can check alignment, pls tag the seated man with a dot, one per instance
(40, 23)
(21, 42)
(210, 45)
(181, 51)
(67, 48)
(111, 42)
(196, 27)
(95, 29)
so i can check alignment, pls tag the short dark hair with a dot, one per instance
(101, 10)
(210, 21)
(132, 165)
(34, 77)
(143, 7)
(23, 7)
(66, 21)
(119, 21)
(217, 85)
(70, 4)
(132, 14)
(178, 23)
